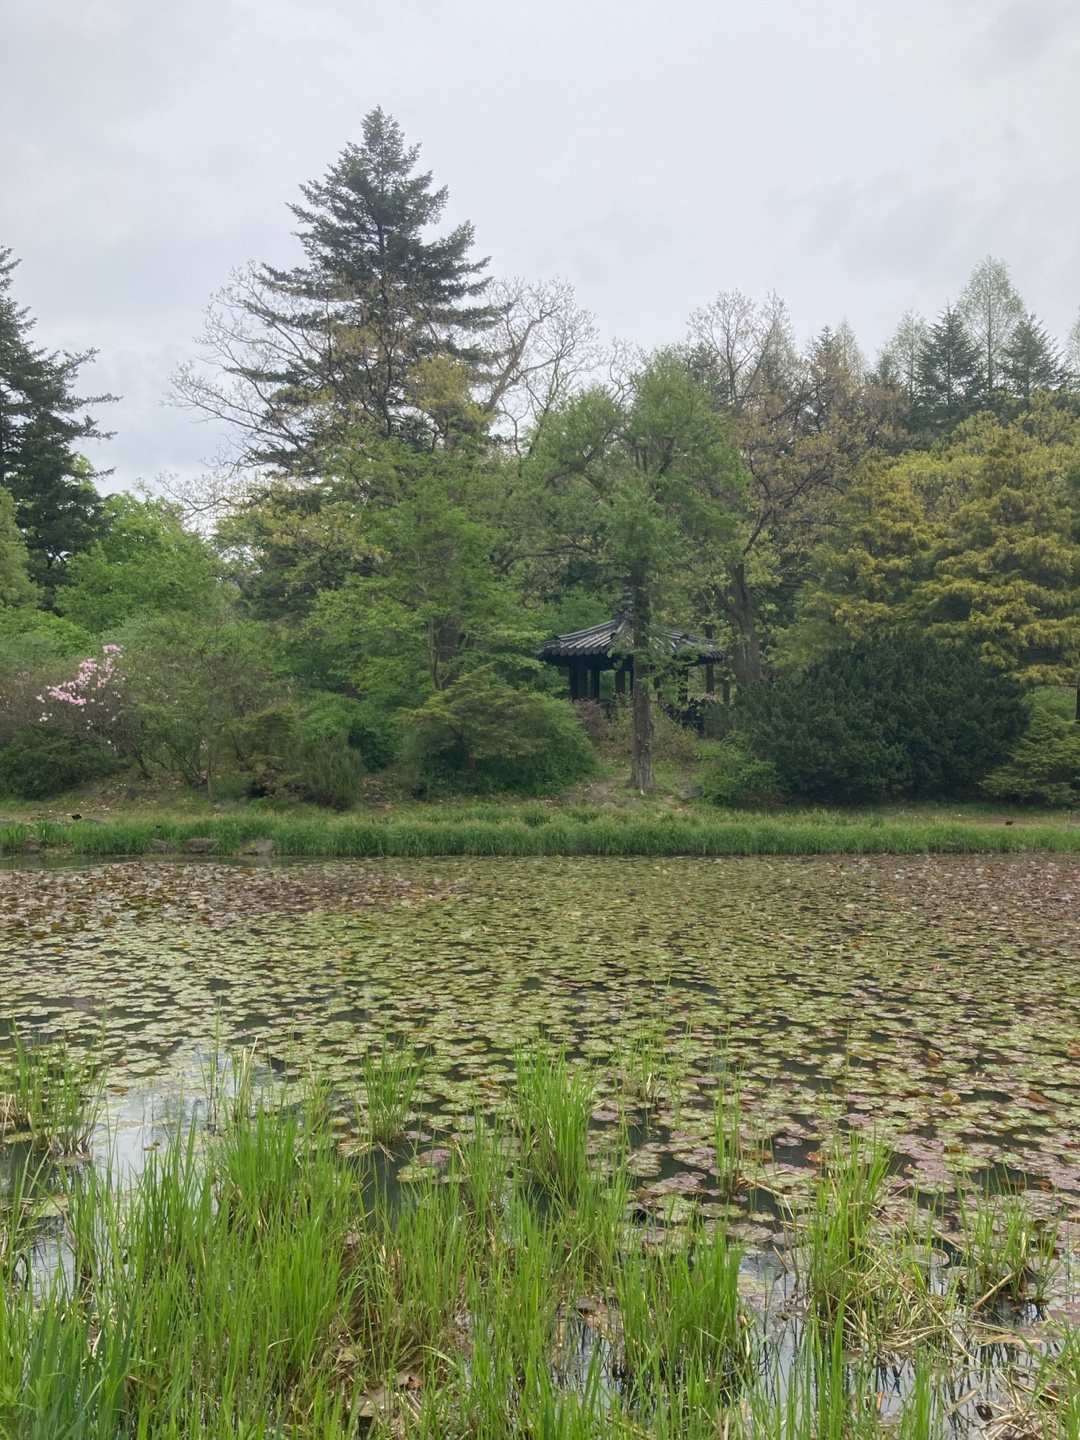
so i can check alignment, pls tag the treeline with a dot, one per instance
(432, 472)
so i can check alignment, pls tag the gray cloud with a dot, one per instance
(857, 158)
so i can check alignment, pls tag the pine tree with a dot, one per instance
(951, 381)
(1031, 360)
(16, 588)
(56, 504)
(351, 342)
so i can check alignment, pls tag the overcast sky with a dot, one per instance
(858, 156)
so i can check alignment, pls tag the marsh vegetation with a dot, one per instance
(262, 1272)
(541, 1147)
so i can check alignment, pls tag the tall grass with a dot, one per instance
(1008, 1256)
(683, 1323)
(553, 1104)
(566, 832)
(727, 1131)
(49, 1095)
(837, 1253)
(393, 1074)
(253, 1282)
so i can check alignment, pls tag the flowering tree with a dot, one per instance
(93, 705)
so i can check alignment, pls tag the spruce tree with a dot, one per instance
(17, 591)
(56, 505)
(349, 344)
(951, 381)
(1031, 361)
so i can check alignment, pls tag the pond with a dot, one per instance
(866, 1041)
(935, 1000)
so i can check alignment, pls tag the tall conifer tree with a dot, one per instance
(951, 382)
(353, 342)
(1031, 361)
(56, 505)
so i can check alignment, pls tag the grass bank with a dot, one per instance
(539, 832)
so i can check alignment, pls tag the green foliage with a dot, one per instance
(1007, 576)
(399, 305)
(483, 735)
(283, 751)
(673, 743)
(951, 379)
(895, 714)
(738, 779)
(17, 590)
(434, 599)
(190, 682)
(38, 762)
(30, 640)
(864, 575)
(1031, 360)
(1044, 766)
(57, 506)
(145, 561)
(329, 773)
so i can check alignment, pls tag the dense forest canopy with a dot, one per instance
(432, 471)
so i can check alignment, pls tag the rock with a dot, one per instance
(263, 846)
(693, 792)
(199, 845)
(30, 846)
(161, 847)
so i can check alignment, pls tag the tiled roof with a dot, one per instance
(599, 640)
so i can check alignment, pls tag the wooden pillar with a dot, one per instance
(620, 678)
(710, 673)
(595, 668)
(575, 680)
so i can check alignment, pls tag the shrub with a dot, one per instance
(482, 735)
(594, 720)
(283, 751)
(672, 742)
(39, 762)
(739, 779)
(329, 773)
(375, 731)
(266, 743)
(894, 714)
(1044, 766)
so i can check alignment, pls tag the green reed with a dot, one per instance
(553, 1103)
(682, 1318)
(252, 1281)
(513, 830)
(727, 1131)
(393, 1074)
(49, 1095)
(1009, 1256)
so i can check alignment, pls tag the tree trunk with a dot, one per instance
(744, 655)
(209, 766)
(641, 767)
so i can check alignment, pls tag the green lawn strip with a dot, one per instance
(560, 835)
